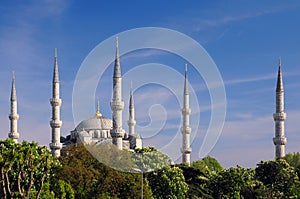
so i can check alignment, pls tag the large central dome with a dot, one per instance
(97, 122)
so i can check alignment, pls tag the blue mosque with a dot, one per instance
(99, 129)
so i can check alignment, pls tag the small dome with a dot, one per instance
(97, 122)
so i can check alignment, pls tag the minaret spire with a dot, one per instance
(13, 116)
(279, 117)
(131, 122)
(117, 105)
(117, 68)
(185, 129)
(55, 102)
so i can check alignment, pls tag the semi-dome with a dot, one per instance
(97, 122)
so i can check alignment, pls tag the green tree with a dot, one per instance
(168, 182)
(208, 166)
(279, 177)
(149, 158)
(234, 183)
(198, 174)
(92, 179)
(63, 190)
(196, 180)
(25, 168)
(293, 159)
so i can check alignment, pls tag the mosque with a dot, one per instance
(99, 129)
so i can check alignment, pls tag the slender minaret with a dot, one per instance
(13, 116)
(131, 122)
(279, 117)
(185, 129)
(55, 102)
(117, 105)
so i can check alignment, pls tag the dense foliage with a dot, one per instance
(28, 170)
(168, 182)
(93, 179)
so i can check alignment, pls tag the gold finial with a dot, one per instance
(98, 114)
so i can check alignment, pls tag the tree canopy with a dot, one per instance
(29, 171)
(25, 168)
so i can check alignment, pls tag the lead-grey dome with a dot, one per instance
(96, 122)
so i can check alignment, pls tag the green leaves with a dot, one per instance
(25, 167)
(279, 178)
(168, 182)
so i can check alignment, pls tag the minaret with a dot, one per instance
(13, 116)
(131, 122)
(55, 102)
(279, 117)
(117, 105)
(185, 129)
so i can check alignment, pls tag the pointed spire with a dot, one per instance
(117, 68)
(98, 114)
(279, 87)
(55, 72)
(13, 88)
(186, 83)
(131, 100)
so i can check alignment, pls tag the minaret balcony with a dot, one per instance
(117, 105)
(13, 116)
(14, 135)
(185, 130)
(279, 116)
(55, 102)
(117, 133)
(279, 140)
(187, 150)
(55, 123)
(55, 146)
(186, 111)
(131, 122)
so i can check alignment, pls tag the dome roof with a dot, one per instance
(97, 122)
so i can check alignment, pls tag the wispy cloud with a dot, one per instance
(202, 24)
(250, 79)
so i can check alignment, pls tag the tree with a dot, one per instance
(234, 183)
(197, 176)
(149, 159)
(92, 179)
(168, 182)
(63, 190)
(196, 180)
(279, 177)
(293, 159)
(25, 168)
(208, 166)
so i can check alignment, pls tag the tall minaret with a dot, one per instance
(117, 105)
(185, 129)
(13, 116)
(279, 117)
(131, 122)
(55, 102)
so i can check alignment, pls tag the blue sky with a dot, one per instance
(244, 39)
